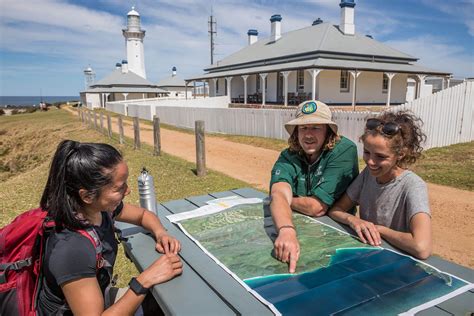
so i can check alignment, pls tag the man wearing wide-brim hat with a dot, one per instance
(310, 175)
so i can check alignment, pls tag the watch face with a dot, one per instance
(136, 287)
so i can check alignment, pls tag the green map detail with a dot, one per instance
(239, 232)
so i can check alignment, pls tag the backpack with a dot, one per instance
(22, 244)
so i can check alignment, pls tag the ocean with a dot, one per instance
(34, 100)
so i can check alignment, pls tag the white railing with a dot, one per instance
(448, 117)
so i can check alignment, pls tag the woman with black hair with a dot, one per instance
(84, 192)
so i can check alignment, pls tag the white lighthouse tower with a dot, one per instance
(134, 42)
(89, 75)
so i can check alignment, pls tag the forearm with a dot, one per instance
(126, 305)
(281, 211)
(152, 223)
(340, 215)
(141, 217)
(417, 247)
(310, 206)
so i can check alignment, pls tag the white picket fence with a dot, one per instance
(448, 117)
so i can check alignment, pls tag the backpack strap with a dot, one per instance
(93, 237)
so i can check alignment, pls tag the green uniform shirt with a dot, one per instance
(326, 179)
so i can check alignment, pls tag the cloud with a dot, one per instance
(462, 11)
(437, 53)
(63, 36)
(59, 15)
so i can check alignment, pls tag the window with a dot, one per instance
(217, 86)
(384, 83)
(300, 80)
(344, 82)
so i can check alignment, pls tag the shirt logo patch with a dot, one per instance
(309, 107)
(277, 172)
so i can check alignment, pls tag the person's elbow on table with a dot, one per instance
(423, 255)
(310, 206)
(422, 250)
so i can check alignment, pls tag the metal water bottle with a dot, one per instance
(146, 190)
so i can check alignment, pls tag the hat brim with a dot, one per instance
(308, 120)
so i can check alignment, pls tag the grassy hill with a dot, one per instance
(28, 141)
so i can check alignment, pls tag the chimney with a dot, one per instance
(173, 71)
(347, 26)
(276, 27)
(253, 36)
(124, 66)
(317, 21)
(118, 65)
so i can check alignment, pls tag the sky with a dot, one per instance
(46, 44)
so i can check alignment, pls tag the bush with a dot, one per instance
(2, 112)
(15, 111)
(30, 110)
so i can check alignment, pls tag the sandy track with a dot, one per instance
(452, 209)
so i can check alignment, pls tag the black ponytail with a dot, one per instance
(77, 166)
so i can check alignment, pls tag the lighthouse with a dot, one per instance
(89, 77)
(134, 43)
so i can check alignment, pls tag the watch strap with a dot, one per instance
(136, 287)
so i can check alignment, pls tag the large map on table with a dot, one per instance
(336, 273)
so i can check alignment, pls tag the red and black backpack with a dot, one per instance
(22, 244)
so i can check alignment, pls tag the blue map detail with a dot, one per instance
(356, 282)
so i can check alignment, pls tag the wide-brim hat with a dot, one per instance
(312, 112)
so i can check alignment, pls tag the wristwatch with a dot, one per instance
(136, 287)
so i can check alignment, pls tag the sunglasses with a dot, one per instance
(388, 128)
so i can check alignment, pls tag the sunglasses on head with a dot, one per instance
(388, 128)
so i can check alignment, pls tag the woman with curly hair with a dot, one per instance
(393, 201)
(310, 175)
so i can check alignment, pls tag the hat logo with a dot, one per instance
(309, 107)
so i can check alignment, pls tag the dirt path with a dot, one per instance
(452, 209)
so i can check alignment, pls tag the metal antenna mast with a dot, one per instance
(212, 31)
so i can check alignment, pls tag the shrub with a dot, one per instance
(15, 111)
(2, 112)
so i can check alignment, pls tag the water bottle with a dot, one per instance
(146, 190)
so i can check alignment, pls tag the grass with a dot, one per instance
(452, 166)
(29, 141)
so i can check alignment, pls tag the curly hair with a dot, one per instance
(407, 143)
(331, 140)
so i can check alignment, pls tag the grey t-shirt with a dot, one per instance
(391, 204)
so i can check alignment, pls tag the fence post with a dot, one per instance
(120, 126)
(95, 119)
(89, 121)
(200, 149)
(156, 136)
(109, 125)
(136, 133)
(79, 113)
(101, 122)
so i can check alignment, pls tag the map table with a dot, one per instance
(205, 288)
